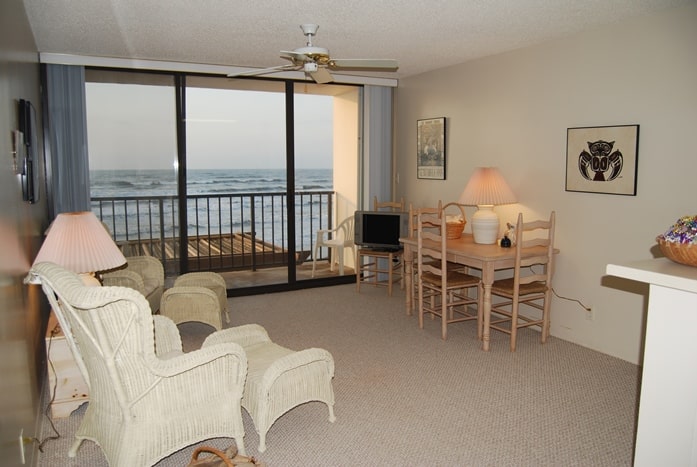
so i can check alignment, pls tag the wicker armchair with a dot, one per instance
(147, 398)
(142, 273)
(278, 379)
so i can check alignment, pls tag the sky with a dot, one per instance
(133, 127)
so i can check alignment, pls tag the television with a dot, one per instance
(380, 230)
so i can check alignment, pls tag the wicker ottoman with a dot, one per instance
(186, 304)
(278, 379)
(210, 280)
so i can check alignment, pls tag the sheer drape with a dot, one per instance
(377, 144)
(66, 147)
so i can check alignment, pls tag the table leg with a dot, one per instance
(487, 316)
(487, 280)
(408, 268)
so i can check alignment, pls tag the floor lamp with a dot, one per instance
(485, 189)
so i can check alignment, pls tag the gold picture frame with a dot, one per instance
(430, 148)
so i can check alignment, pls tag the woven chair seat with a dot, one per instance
(454, 279)
(505, 287)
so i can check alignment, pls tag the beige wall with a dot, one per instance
(512, 111)
(22, 318)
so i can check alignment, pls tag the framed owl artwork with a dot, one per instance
(602, 159)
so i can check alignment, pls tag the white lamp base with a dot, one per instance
(485, 225)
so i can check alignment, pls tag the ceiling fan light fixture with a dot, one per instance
(310, 67)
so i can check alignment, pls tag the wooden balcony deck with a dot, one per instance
(237, 251)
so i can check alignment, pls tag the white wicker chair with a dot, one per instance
(278, 379)
(142, 273)
(147, 398)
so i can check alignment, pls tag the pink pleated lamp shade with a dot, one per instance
(487, 186)
(79, 242)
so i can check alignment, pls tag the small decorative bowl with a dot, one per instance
(683, 253)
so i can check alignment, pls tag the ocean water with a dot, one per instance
(113, 183)
(220, 201)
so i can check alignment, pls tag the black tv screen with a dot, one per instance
(374, 229)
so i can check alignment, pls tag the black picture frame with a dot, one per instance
(430, 148)
(602, 159)
(28, 165)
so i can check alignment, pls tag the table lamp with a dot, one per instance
(79, 242)
(486, 189)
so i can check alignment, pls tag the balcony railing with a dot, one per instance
(241, 231)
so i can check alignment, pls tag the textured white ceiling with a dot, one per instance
(422, 35)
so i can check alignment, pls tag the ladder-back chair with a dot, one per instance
(534, 249)
(442, 291)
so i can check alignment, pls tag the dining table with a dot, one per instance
(487, 258)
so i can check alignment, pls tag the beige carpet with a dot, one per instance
(405, 397)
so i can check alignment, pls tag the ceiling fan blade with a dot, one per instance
(295, 57)
(322, 76)
(365, 64)
(264, 71)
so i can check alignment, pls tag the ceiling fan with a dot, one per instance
(316, 62)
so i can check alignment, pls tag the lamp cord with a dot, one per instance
(571, 300)
(580, 303)
(57, 435)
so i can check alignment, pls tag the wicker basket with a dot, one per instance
(454, 229)
(683, 253)
(456, 225)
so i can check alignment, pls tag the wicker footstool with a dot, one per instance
(186, 304)
(196, 296)
(210, 280)
(278, 379)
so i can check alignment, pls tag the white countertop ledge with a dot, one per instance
(659, 271)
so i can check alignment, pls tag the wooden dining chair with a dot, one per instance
(443, 292)
(381, 267)
(413, 233)
(531, 284)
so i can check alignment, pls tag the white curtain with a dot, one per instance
(67, 161)
(376, 167)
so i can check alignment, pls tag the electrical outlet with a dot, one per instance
(21, 446)
(590, 313)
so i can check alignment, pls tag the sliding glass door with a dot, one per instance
(229, 175)
(236, 179)
(326, 170)
(132, 145)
